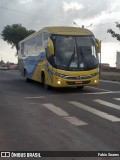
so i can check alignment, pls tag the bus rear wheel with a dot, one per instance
(28, 80)
(25, 75)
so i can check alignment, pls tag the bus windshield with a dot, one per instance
(75, 52)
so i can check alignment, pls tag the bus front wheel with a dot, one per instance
(80, 87)
(44, 82)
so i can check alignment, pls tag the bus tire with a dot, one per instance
(44, 82)
(80, 87)
(28, 80)
(25, 75)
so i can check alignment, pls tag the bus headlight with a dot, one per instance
(59, 81)
(95, 81)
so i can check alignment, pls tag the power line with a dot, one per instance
(105, 23)
(16, 11)
(25, 13)
(54, 18)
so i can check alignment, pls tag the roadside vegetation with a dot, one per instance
(111, 74)
(13, 34)
(110, 78)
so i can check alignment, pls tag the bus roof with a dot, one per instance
(68, 30)
(62, 30)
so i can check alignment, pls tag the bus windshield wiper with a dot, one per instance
(71, 58)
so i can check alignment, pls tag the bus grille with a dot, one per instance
(81, 77)
(77, 83)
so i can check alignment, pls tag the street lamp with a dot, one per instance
(76, 25)
(82, 25)
(89, 25)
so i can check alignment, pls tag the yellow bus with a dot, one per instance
(60, 57)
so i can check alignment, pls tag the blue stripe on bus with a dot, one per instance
(32, 62)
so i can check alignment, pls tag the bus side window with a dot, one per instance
(22, 49)
(47, 52)
(39, 41)
(18, 47)
(45, 38)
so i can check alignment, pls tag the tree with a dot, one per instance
(2, 62)
(115, 35)
(14, 34)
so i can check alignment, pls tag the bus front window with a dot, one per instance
(75, 52)
(64, 50)
(86, 48)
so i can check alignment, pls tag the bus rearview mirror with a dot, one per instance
(98, 45)
(50, 47)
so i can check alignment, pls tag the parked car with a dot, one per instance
(3, 67)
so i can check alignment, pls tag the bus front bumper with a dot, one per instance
(60, 82)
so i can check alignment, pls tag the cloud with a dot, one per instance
(72, 6)
(36, 14)
(46, 12)
(25, 1)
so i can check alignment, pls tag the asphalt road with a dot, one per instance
(35, 119)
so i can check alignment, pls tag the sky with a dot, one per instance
(36, 14)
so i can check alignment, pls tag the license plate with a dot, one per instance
(78, 82)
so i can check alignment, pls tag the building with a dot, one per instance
(11, 66)
(118, 60)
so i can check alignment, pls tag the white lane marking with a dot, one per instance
(108, 104)
(118, 99)
(96, 112)
(60, 112)
(111, 92)
(8, 92)
(34, 103)
(98, 88)
(35, 97)
(56, 110)
(75, 121)
(98, 93)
